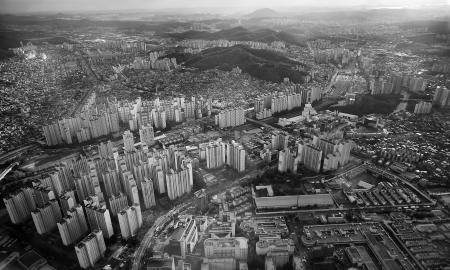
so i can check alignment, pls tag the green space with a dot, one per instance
(368, 104)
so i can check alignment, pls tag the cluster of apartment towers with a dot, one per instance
(96, 121)
(318, 154)
(110, 187)
(269, 104)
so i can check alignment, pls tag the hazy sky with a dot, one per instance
(19, 6)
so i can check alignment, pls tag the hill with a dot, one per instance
(239, 34)
(261, 64)
(263, 13)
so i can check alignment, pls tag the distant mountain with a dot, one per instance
(261, 64)
(239, 34)
(263, 13)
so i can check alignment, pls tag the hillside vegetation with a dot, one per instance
(261, 64)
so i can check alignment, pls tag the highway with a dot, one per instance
(7, 170)
(147, 240)
(4, 158)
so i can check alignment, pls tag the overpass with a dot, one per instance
(7, 170)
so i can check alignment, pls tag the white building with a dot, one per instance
(90, 249)
(130, 220)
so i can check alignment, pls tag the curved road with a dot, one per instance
(149, 234)
(146, 242)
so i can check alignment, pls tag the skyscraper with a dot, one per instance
(215, 154)
(130, 187)
(178, 182)
(128, 141)
(230, 118)
(111, 183)
(67, 200)
(280, 141)
(44, 219)
(105, 150)
(90, 249)
(130, 220)
(73, 226)
(147, 135)
(148, 193)
(19, 206)
(99, 218)
(117, 203)
(441, 97)
(312, 157)
(235, 156)
(287, 161)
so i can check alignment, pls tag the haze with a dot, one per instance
(26, 6)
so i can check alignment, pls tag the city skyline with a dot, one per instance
(233, 135)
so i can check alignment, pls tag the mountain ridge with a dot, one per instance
(239, 33)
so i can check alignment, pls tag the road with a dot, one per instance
(261, 123)
(146, 241)
(4, 158)
(7, 170)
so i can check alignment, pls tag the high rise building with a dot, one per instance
(56, 209)
(148, 193)
(52, 134)
(130, 220)
(287, 161)
(314, 94)
(189, 111)
(111, 183)
(90, 249)
(441, 97)
(280, 141)
(265, 113)
(312, 157)
(73, 226)
(19, 206)
(160, 118)
(334, 154)
(417, 84)
(201, 200)
(128, 141)
(67, 200)
(235, 156)
(215, 154)
(327, 146)
(422, 107)
(84, 187)
(105, 150)
(130, 187)
(99, 218)
(230, 118)
(178, 182)
(147, 135)
(29, 198)
(117, 203)
(259, 105)
(44, 219)
(42, 195)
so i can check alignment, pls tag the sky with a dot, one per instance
(26, 6)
